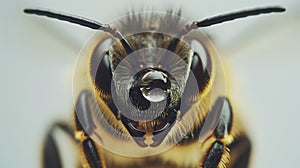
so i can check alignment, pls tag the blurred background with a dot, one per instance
(38, 55)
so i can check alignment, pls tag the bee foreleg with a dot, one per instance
(218, 153)
(216, 156)
(92, 155)
(240, 150)
(51, 155)
(84, 127)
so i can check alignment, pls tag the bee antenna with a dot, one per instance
(83, 22)
(219, 19)
(235, 15)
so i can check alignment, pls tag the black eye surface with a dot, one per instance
(103, 75)
(100, 67)
(201, 64)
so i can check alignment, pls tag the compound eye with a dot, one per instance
(200, 58)
(155, 86)
(200, 66)
(199, 75)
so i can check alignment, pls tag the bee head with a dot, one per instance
(155, 89)
(152, 82)
(147, 85)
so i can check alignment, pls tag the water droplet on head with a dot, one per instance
(154, 95)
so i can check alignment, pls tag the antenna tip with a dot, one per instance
(28, 11)
(279, 9)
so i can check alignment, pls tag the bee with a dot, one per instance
(150, 92)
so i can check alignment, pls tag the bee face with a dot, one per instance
(153, 85)
(148, 91)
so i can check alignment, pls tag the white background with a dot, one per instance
(38, 54)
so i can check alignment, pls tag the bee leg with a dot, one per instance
(240, 150)
(239, 147)
(215, 156)
(92, 156)
(51, 157)
(218, 153)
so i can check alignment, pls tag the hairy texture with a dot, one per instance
(164, 22)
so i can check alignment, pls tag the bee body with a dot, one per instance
(152, 94)
(187, 149)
